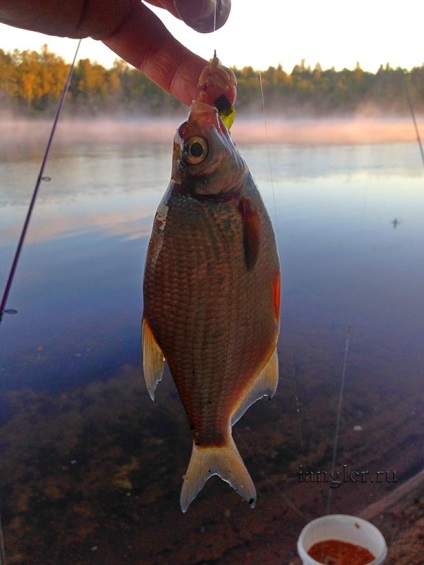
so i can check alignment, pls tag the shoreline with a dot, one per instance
(410, 488)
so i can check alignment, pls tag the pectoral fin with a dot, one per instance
(265, 384)
(250, 222)
(153, 360)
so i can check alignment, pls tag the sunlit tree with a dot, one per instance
(32, 82)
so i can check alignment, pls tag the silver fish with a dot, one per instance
(212, 297)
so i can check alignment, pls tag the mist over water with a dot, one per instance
(23, 138)
(325, 131)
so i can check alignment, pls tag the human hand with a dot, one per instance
(131, 30)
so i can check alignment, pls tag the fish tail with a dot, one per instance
(224, 461)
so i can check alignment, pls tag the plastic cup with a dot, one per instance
(342, 527)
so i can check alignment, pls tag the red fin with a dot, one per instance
(250, 220)
(276, 290)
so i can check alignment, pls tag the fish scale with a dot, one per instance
(184, 335)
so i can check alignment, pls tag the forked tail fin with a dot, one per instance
(225, 462)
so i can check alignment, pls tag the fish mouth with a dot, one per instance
(199, 108)
(204, 115)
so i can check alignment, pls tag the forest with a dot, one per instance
(31, 83)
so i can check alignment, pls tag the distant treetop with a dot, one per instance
(31, 83)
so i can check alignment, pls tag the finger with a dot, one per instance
(143, 41)
(204, 15)
(77, 19)
(166, 4)
(201, 15)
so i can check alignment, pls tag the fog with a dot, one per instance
(27, 137)
(330, 131)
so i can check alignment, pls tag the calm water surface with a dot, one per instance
(350, 227)
(349, 222)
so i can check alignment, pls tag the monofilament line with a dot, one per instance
(214, 24)
(2, 552)
(299, 416)
(274, 485)
(36, 189)
(414, 119)
(287, 501)
(269, 153)
(339, 412)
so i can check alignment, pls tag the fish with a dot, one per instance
(212, 297)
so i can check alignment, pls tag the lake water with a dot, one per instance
(349, 221)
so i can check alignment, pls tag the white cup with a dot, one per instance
(342, 527)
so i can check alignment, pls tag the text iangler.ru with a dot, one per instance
(346, 474)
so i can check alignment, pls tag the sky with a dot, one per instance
(272, 32)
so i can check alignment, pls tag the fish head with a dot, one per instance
(205, 160)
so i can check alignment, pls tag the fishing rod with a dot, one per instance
(24, 230)
(40, 178)
(414, 119)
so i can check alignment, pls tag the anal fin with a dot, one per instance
(265, 384)
(224, 461)
(153, 360)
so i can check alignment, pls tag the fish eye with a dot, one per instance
(195, 150)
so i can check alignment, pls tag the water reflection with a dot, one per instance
(91, 461)
(80, 274)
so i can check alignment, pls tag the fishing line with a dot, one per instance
(287, 501)
(298, 413)
(293, 375)
(2, 550)
(268, 152)
(40, 178)
(357, 268)
(277, 226)
(348, 336)
(339, 412)
(347, 340)
(18, 252)
(414, 119)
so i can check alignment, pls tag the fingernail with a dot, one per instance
(200, 15)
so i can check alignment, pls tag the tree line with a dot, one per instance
(31, 83)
